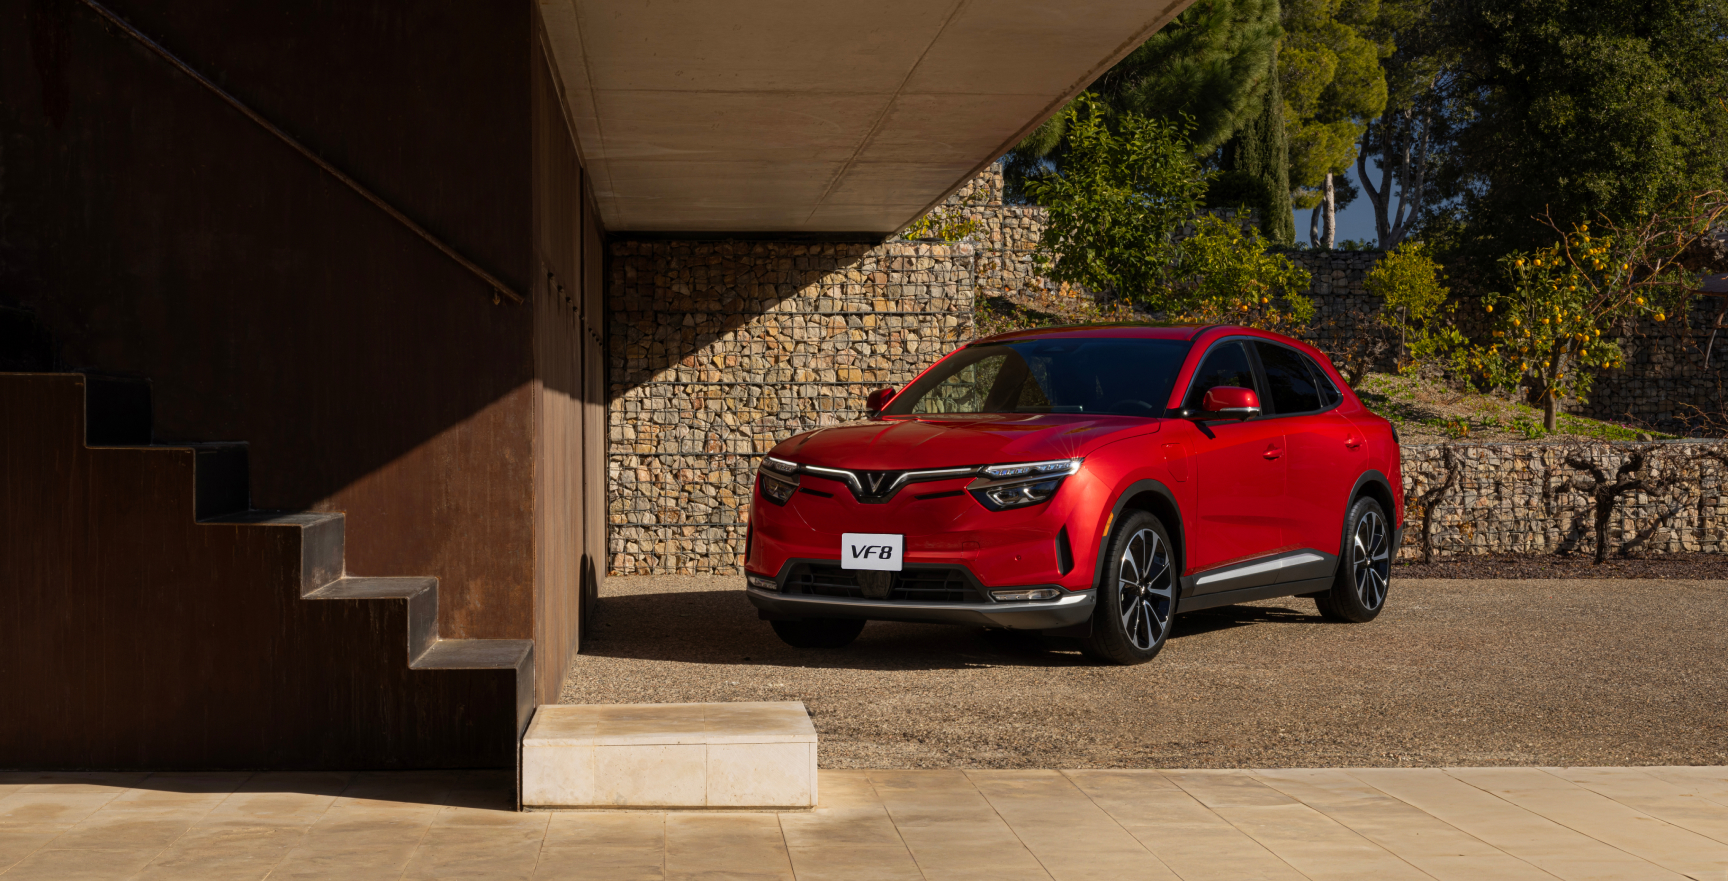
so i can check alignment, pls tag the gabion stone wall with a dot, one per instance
(719, 350)
(1647, 498)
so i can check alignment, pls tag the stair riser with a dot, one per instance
(422, 622)
(222, 486)
(321, 548)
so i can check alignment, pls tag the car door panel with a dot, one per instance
(1237, 468)
(1326, 451)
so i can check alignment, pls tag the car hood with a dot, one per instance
(953, 441)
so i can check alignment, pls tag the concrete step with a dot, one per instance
(754, 756)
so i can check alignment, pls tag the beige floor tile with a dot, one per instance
(79, 865)
(364, 840)
(1421, 840)
(1317, 846)
(131, 830)
(16, 844)
(49, 809)
(1072, 837)
(1602, 818)
(1187, 836)
(854, 863)
(712, 844)
(224, 851)
(600, 864)
(477, 853)
(950, 827)
(1228, 789)
(83, 782)
(274, 807)
(1520, 833)
(1706, 783)
(850, 815)
(1658, 798)
(631, 829)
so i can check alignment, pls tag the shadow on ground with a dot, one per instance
(1485, 672)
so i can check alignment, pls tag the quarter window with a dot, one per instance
(1225, 364)
(1289, 380)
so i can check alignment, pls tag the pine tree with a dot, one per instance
(1208, 70)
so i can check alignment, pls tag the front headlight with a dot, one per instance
(1021, 484)
(778, 479)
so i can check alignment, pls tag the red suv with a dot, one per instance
(1087, 482)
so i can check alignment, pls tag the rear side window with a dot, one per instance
(1225, 364)
(1290, 380)
(1329, 394)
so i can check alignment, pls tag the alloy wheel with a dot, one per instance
(1371, 560)
(1146, 589)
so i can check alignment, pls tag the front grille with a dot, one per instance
(933, 584)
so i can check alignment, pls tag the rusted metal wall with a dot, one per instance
(565, 387)
(157, 232)
(132, 636)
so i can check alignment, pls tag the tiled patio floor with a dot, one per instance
(1467, 823)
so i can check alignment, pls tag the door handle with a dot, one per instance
(1273, 451)
(1351, 441)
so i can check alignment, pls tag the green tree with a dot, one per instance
(1114, 204)
(1225, 275)
(1551, 328)
(1402, 140)
(1330, 76)
(1256, 173)
(1209, 68)
(1576, 109)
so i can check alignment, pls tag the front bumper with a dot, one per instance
(1073, 607)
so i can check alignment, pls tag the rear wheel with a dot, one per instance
(1365, 570)
(1137, 600)
(818, 633)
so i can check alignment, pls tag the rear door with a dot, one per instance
(1239, 469)
(1326, 453)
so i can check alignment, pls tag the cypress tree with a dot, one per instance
(1256, 171)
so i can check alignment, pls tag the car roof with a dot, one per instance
(1120, 330)
(1137, 330)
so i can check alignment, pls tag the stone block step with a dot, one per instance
(732, 756)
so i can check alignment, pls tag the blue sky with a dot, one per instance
(1354, 222)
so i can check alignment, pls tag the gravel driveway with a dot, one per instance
(1455, 672)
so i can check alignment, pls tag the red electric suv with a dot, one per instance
(1083, 481)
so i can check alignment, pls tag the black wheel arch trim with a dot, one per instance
(1371, 476)
(1180, 539)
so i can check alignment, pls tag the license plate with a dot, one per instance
(866, 550)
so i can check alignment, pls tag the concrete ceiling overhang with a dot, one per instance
(816, 116)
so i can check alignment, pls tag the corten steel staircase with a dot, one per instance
(149, 619)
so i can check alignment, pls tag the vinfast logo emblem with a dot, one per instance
(876, 481)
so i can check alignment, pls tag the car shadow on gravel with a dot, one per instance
(721, 627)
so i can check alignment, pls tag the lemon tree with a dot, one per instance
(1553, 325)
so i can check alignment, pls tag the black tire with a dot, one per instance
(819, 633)
(1364, 566)
(1137, 599)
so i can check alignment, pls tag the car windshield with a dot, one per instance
(1117, 376)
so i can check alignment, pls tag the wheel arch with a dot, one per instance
(1155, 498)
(1375, 485)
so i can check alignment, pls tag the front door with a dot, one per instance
(1239, 468)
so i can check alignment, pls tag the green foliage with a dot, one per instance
(1332, 83)
(1576, 109)
(947, 223)
(1407, 280)
(1207, 70)
(1225, 275)
(1115, 201)
(1256, 170)
(1548, 326)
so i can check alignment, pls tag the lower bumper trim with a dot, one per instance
(1073, 608)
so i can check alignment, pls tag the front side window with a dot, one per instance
(1289, 380)
(1111, 376)
(1225, 365)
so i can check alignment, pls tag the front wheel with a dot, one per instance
(1137, 600)
(1365, 570)
(818, 633)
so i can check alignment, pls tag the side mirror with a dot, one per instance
(1230, 402)
(878, 400)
